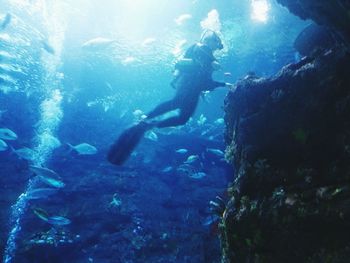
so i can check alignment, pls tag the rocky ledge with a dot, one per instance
(288, 138)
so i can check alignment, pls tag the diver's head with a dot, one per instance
(211, 39)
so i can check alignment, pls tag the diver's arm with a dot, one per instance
(216, 84)
(211, 85)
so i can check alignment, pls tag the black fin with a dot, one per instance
(122, 148)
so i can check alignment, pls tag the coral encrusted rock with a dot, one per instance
(288, 138)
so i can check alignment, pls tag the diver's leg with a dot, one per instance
(163, 108)
(181, 119)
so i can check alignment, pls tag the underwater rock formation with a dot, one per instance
(288, 139)
(332, 13)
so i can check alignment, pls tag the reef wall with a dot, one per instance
(288, 138)
(332, 13)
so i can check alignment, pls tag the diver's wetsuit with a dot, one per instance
(189, 85)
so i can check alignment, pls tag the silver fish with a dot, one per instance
(220, 121)
(25, 153)
(40, 193)
(192, 159)
(216, 152)
(49, 139)
(53, 220)
(84, 149)
(3, 146)
(198, 175)
(43, 171)
(7, 134)
(47, 176)
(58, 220)
(210, 220)
(52, 182)
(182, 151)
(167, 169)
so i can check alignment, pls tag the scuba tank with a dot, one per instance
(183, 65)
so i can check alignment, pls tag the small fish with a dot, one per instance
(40, 193)
(167, 169)
(41, 213)
(47, 176)
(182, 151)
(210, 220)
(151, 135)
(53, 220)
(7, 134)
(6, 21)
(3, 146)
(198, 175)
(220, 121)
(182, 19)
(52, 182)
(192, 159)
(216, 152)
(84, 149)
(205, 132)
(25, 153)
(58, 220)
(227, 74)
(49, 139)
(186, 169)
(98, 42)
(42, 171)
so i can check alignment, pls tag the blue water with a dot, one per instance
(57, 87)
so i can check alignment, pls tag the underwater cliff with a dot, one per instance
(288, 140)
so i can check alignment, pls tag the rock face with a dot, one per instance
(288, 139)
(332, 13)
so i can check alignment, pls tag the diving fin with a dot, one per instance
(122, 148)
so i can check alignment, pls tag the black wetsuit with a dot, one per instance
(189, 85)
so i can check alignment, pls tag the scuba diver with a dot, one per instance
(193, 75)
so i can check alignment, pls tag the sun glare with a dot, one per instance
(260, 9)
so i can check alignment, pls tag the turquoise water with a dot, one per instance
(81, 72)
